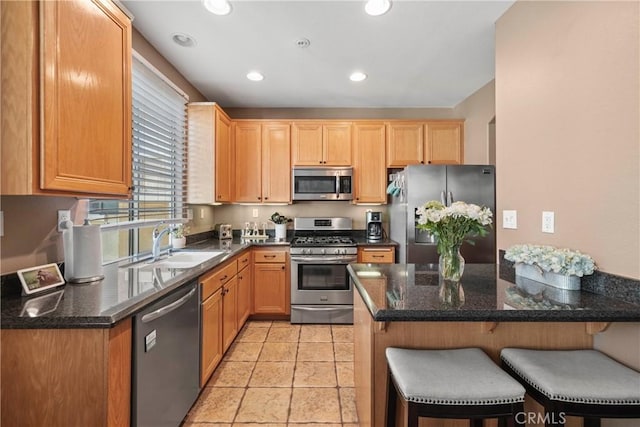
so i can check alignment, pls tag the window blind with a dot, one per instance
(159, 154)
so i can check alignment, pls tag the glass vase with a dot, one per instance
(451, 264)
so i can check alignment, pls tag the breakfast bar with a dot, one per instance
(403, 305)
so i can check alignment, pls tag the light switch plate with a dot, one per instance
(510, 219)
(255, 213)
(548, 222)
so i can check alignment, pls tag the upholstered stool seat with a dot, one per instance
(584, 383)
(458, 383)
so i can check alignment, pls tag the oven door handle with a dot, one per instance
(324, 260)
(316, 308)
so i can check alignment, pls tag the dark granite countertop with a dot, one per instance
(124, 291)
(410, 292)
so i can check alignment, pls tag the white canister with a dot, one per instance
(82, 253)
(281, 231)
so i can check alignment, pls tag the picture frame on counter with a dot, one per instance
(40, 278)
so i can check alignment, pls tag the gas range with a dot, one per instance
(323, 236)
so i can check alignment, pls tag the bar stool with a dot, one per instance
(459, 383)
(583, 383)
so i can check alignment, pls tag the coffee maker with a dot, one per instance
(374, 226)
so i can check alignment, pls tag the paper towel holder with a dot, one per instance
(78, 269)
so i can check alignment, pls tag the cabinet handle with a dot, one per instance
(223, 278)
(269, 256)
(377, 256)
(240, 277)
(245, 260)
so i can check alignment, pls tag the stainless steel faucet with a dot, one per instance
(156, 238)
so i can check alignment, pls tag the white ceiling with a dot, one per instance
(419, 54)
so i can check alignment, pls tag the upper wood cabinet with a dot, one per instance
(262, 165)
(419, 142)
(224, 158)
(369, 169)
(321, 144)
(444, 143)
(66, 131)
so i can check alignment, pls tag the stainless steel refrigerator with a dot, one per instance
(447, 183)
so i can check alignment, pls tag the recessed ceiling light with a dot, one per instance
(255, 76)
(357, 76)
(377, 7)
(184, 40)
(217, 7)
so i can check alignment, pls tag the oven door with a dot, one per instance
(320, 280)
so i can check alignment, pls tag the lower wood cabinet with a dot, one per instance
(229, 312)
(271, 278)
(377, 255)
(211, 338)
(66, 377)
(245, 276)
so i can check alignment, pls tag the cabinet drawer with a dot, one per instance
(380, 256)
(270, 256)
(244, 260)
(212, 281)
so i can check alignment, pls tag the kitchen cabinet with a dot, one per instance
(321, 144)
(218, 295)
(420, 142)
(271, 278)
(66, 377)
(245, 275)
(210, 154)
(263, 169)
(376, 254)
(444, 143)
(229, 312)
(369, 169)
(66, 130)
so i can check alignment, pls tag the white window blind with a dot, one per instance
(159, 160)
(159, 153)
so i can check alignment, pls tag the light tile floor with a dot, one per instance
(280, 375)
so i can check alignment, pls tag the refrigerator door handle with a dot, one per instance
(443, 198)
(449, 198)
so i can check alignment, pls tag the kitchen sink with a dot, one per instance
(180, 260)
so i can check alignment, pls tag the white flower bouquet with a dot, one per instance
(452, 224)
(548, 258)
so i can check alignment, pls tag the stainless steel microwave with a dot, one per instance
(322, 183)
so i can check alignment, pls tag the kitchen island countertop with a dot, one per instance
(410, 292)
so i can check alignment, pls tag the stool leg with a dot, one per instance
(518, 415)
(475, 422)
(412, 414)
(552, 416)
(392, 397)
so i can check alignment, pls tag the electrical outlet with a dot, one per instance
(510, 219)
(201, 213)
(63, 215)
(190, 214)
(255, 213)
(548, 222)
(1, 224)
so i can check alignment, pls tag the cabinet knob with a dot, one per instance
(282, 267)
(266, 198)
(429, 162)
(422, 161)
(259, 197)
(320, 162)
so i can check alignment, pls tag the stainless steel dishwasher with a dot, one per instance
(166, 359)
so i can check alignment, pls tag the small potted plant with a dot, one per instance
(280, 222)
(178, 236)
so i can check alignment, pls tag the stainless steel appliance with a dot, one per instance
(223, 231)
(320, 288)
(166, 359)
(421, 183)
(322, 183)
(373, 222)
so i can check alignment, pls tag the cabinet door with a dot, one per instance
(86, 93)
(224, 158)
(445, 143)
(244, 295)
(306, 139)
(276, 166)
(229, 312)
(336, 140)
(405, 143)
(211, 344)
(370, 168)
(201, 141)
(248, 155)
(269, 289)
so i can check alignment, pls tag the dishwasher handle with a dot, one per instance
(167, 308)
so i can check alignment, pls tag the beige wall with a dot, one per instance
(477, 110)
(567, 109)
(237, 215)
